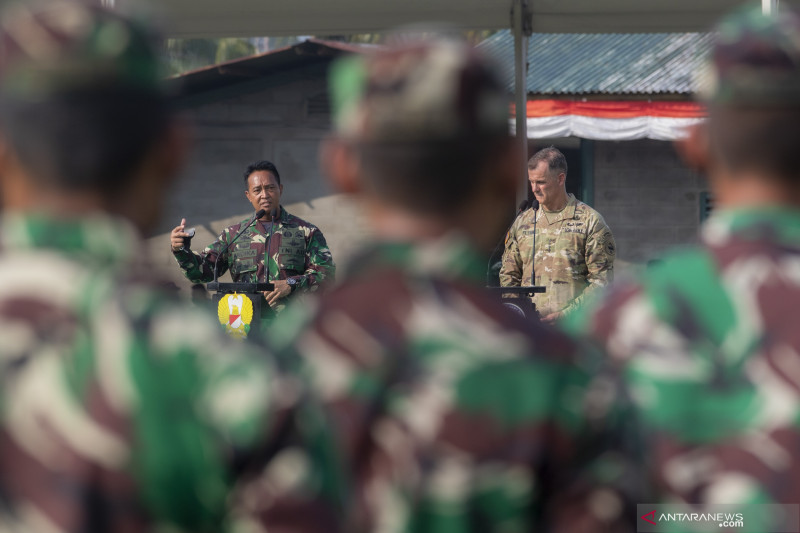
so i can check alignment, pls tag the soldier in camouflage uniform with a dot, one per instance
(450, 413)
(708, 339)
(574, 255)
(299, 258)
(119, 410)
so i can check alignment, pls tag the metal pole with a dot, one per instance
(521, 31)
(587, 171)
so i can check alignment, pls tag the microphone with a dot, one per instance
(269, 244)
(535, 206)
(258, 214)
(527, 204)
(523, 206)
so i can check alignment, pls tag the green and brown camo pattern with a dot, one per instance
(297, 249)
(418, 91)
(121, 410)
(68, 45)
(574, 255)
(451, 413)
(755, 60)
(708, 341)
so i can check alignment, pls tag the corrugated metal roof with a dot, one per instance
(643, 63)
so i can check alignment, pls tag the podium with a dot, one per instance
(518, 299)
(239, 306)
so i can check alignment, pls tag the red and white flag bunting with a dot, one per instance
(611, 120)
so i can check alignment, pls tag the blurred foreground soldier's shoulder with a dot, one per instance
(119, 409)
(708, 337)
(450, 412)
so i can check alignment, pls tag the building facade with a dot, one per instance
(275, 106)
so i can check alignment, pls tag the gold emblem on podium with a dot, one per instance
(235, 312)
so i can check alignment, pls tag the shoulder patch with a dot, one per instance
(607, 242)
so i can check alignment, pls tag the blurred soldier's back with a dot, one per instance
(120, 410)
(449, 412)
(708, 338)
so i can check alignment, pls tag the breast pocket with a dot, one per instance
(571, 255)
(292, 257)
(244, 269)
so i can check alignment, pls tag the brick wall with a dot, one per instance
(647, 197)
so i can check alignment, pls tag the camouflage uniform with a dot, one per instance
(574, 255)
(298, 250)
(120, 410)
(708, 338)
(450, 413)
(113, 418)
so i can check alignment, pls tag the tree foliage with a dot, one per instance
(184, 55)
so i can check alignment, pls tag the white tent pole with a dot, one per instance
(769, 7)
(521, 24)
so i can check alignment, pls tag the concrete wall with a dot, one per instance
(231, 131)
(647, 197)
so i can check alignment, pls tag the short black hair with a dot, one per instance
(86, 139)
(431, 177)
(760, 139)
(556, 162)
(261, 165)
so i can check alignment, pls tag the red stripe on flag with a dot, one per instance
(613, 109)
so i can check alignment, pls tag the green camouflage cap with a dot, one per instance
(432, 90)
(755, 60)
(52, 46)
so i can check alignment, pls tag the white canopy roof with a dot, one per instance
(229, 18)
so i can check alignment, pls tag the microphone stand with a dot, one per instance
(223, 289)
(520, 304)
(258, 214)
(533, 250)
(521, 209)
(269, 244)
